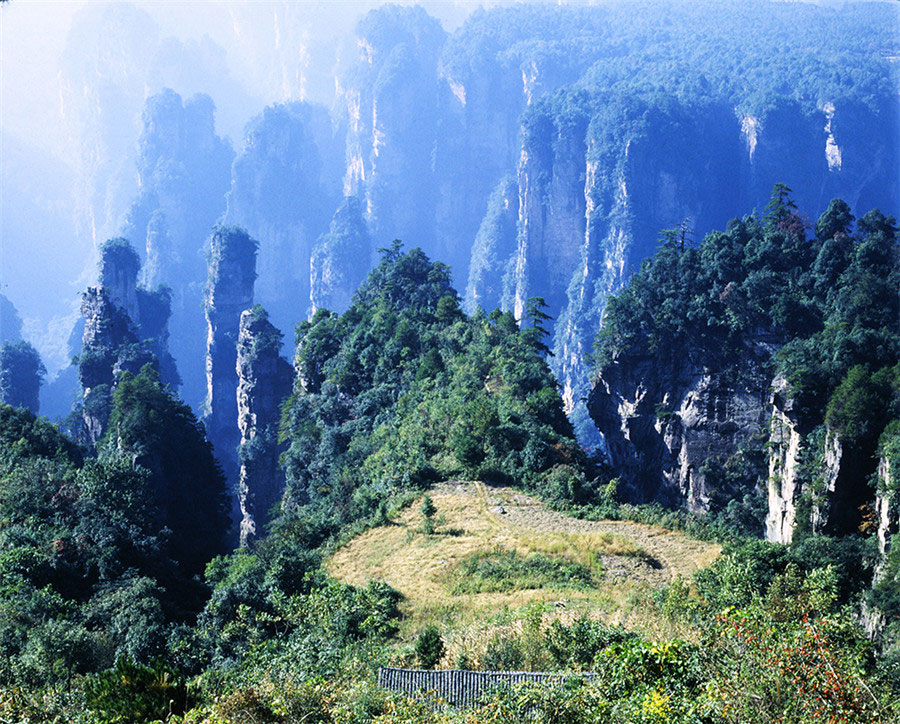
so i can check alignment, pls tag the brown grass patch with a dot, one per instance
(634, 558)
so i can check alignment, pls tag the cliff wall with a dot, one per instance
(232, 272)
(264, 383)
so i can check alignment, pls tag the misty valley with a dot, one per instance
(443, 362)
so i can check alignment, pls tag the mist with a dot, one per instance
(486, 133)
(73, 80)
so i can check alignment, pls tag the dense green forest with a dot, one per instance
(660, 466)
(827, 313)
(121, 604)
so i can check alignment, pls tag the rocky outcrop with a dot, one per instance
(148, 310)
(596, 185)
(887, 501)
(598, 180)
(784, 484)
(816, 482)
(669, 432)
(184, 172)
(341, 260)
(490, 269)
(109, 346)
(286, 183)
(887, 504)
(119, 267)
(392, 98)
(264, 382)
(232, 272)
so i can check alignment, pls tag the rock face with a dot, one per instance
(285, 185)
(264, 382)
(341, 259)
(490, 270)
(816, 482)
(391, 98)
(664, 428)
(119, 267)
(184, 171)
(125, 327)
(887, 505)
(108, 347)
(598, 181)
(10, 321)
(784, 485)
(232, 272)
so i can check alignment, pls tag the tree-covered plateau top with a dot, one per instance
(749, 54)
(829, 303)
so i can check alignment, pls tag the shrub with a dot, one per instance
(429, 647)
(131, 693)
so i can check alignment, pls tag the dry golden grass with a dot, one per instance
(636, 558)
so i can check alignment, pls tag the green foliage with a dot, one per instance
(403, 390)
(861, 404)
(85, 573)
(575, 647)
(428, 510)
(21, 374)
(131, 693)
(509, 571)
(429, 647)
(756, 276)
(161, 434)
(748, 570)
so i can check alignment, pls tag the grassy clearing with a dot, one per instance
(626, 561)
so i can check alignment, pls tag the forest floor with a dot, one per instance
(628, 562)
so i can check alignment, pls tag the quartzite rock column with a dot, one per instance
(229, 291)
(264, 382)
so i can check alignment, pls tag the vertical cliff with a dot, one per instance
(672, 432)
(739, 366)
(10, 321)
(119, 267)
(492, 69)
(551, 206)
(340, 260)
(491, 266)
(109, 345)
(149, 310)
(184, 172)
(229, 291)
(285, 186)
(599, 177)
(264, 383)
(887, 502)
(391, 99)
(787, 473)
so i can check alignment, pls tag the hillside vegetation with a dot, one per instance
(380, 556)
